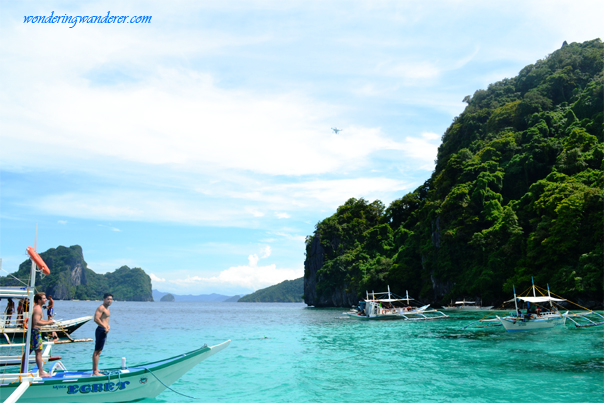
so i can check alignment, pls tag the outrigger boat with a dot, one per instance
(540, 313)
(466, 306)
(389, 306)
(123, 384)
(16, 334)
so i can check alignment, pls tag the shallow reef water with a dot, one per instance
(295, 353)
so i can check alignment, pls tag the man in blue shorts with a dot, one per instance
(50, 312)
(35, 342)
(101, 318)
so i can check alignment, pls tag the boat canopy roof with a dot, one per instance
(537, 299)
(15, 292)
(388, 299)
(464, 302)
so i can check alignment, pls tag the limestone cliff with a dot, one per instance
(70, 278)
(338, 295)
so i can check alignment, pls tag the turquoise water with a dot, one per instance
(293, 353)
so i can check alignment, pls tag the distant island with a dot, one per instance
(70, 278)
(159, 295)
(167, 298)
(287, 291)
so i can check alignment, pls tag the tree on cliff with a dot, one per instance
(517, 191)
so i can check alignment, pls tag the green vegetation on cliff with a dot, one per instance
(287, 291)
(70, 278)
(517, 192)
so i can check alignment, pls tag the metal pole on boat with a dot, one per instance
(389, 292)
(533, 281)
(25, 362)
(515, 300)
(407, 293)
(551, 304)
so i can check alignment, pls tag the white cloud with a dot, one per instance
(254, 212)
(265, 252)
(253, 260)
(332, 193)
(297, 238)
(282, 215)
(114, 229)
(251, 276)
(181, 119)
(156, 279)
(164, 205)
(423, 149)
(110, 265)
(62, 222)
(410, 71)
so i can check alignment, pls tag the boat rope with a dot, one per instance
(167, 387)
(10, 275)
(479, 320)
(65, 332)
(574, 303)
(119, 379)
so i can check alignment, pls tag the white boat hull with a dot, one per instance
(512, 324)
(376, 313)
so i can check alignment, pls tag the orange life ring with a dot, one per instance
(25, 323)
(38, 260)
(383, 312)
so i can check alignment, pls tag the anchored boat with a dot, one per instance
(466, 306)
(539, 313)
(389, 306)
(15, 333)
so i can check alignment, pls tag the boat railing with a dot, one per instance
(14, 320)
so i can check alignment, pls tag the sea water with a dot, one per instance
(294, 353)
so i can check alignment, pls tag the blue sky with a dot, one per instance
(199, 147)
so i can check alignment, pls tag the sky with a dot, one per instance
(199, 146)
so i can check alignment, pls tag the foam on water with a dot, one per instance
(292, 353)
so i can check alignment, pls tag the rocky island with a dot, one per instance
(70, 278)
(517, 192)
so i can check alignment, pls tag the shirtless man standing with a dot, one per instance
(36, 339)
(101, 317)
(50, 312)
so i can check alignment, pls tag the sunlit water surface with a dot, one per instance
(294, 353)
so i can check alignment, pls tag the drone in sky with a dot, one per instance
(336, 130)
